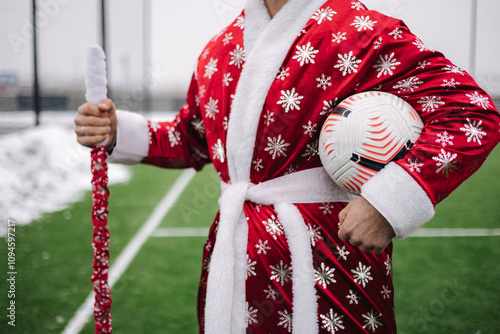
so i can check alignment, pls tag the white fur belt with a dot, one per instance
(225, 309)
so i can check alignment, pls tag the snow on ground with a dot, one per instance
(43, 169)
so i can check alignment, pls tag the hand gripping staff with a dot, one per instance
(95, 81)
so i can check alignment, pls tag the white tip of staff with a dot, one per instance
(95, 79)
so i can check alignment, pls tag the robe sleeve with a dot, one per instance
(179, 143)
(461, 127)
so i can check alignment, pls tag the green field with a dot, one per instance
(443, 284)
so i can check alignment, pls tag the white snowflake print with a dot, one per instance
(174, 137)
(324, 82)
(347, 63)
(323, 14)
(339, 37)
(324, 275)
(202, 91)
(218, 151)
(423, 64)
(372, 320)
(479, 100)
(314, 234)
(450, 83)
(273, 227)
(305, 54)
(227, 38)
(474, 131)
(285, 320)
(386, 293)
(420, 45)
(310, 129)
(409, 84)
(205, 54)
(155, 126)
(284, 72)
(388, 265)
(378, 43)
(281, 273)
(211, 108)
(290, 100)
(356, 5)
(446, 162)
(276, 147)
(251, 315)
(352, 297)
(257, 165)
(396, 33)
(327, 106)
(250, 267)
(237, 56)
(414, 165)
(271, 293)
(226, 80)
(240, 22)
(342, 253)
(269, 117)
(444, 139)
(225, 123)
(386, 65)
(311, 150)
(327, 208)
(453, 69)
(198, 126)
(332, 322)
(430, 103)
(362, 274)
(262, 247)
(210, 69)
(363, 23)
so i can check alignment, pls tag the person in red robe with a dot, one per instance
(289, 251)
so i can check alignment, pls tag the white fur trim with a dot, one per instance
(305, 306)
(221, 287)
(263, 62)
(399, 198)
(307, 186)
(132, 138)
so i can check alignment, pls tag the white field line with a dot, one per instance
(83, 314)
(456, 232)
(181, 232)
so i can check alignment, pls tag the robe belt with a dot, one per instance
(226, 308)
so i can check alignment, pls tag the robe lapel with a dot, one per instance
(266, 43)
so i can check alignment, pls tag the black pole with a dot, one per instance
(36, 87)
(473, 38)
(103, 40)
(146, 54)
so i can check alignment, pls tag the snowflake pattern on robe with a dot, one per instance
(348, 63)
(325, 64)
(332, 322)
(290, 100)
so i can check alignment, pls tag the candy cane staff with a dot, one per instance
(95, 81)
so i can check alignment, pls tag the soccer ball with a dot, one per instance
(363, 134)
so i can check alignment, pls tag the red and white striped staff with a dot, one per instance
(95, 81)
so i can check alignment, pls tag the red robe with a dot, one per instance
(258, 98)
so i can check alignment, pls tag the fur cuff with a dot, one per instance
(132, 138)
(399, 198)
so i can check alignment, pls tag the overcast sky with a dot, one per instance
(181, 29)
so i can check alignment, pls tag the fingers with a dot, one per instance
(363, 226)
(93, 123)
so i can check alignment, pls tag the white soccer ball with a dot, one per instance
(363, 134)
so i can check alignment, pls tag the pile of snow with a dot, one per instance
(43, 169)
